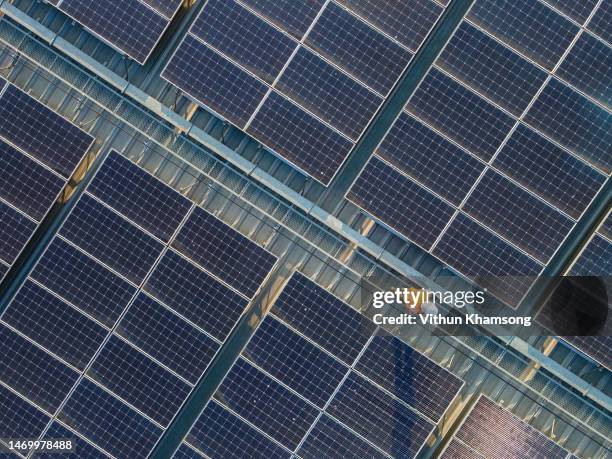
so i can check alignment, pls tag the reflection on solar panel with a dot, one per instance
(458, 450)
(303, 78)
(486, 431)
(121, 362)
(306, 383)
(600, 23)
(131, 26)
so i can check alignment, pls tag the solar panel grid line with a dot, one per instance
(456, 449)
(61, 430)
(598, 23)
(577, 14)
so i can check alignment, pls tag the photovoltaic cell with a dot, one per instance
(606, 227)
(588, 67)
(40, 132)
(15, 232)
(528, 26)
(600, 23)
(185, 452)
(166, 7)
(579, 10)
(574, 122)
(457, 450)
(300, 138)
(549, 171)
(244, 38)
(331, 95)
(399, 202)
(429, 158)
(19, 419)
(358, 49)
(486, 430)
(460, 114)
(595, 260)
(409, 375)
(219, 433)
(3, 270)
(83, 449)
(108, 422)
(491, 69)
(294, 17)
(224, 252)
(139, 196)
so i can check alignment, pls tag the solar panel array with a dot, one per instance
(503, 145)
(39, 151)
(317, 378)
(123, 312)
(134, 27)
(304, 78)
(493, 432)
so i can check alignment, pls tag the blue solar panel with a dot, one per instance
(409, 375)
(606, 227)
(244, 38)
(195, 295)
(185, 452)
(82, 449)
(26, 184)
(549, 171)
(294, 361)
(487, 427)
(83, 282)
(574, 122)
(167, 338)
(54, 325)
(15, 231)
(331, 95)
(600, 23)
(398, 201)
(111, 239)
(219, 433)
(138, 380)
(19, 419)
(579, 10)
(42, 133)
(139, 196)
(528, 26)
(3, 270)
(166, 7)
(224, 252)
(429, 158)
(294, 17)
(266, 403)
(358, 49)
(108, 422)
(460, 114)
(380, 418)
(316, 314)
(458, 450)
(595, 259)
(491, 68)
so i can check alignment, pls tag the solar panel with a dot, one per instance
(606, 227)
(186, 452)
(82, 448)
(579, 10)
(19, 419)
(600, 23)
(458, 450)
(289, 15)
(15, 231)
(3, 270)
(595, 260)
(486, 429)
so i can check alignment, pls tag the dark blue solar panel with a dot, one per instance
(83, 282)
(579, 10)
(166, 7)
(224, 252)
(15, 231)
(409, 375)
(129, 25)
(322, 317)
(19, 419)
(54, 325)
(328, 439)
(167, 338)
(528, 26)
(400, 203)
(480, 254)
(408, 21)
(32, 372)
(195, 295)
(457, 450)
(3, 270)
(574, 122)
(595, 260)
(219, 433)
(486, 430)
(214, 81)
(549, 171)
(83, 449)
(588, 67)
(139, 196)
(294, 17)
(294, 361)
(429, 158)
(243, 37)
(138, 380)
(108, 422)
(111, 239)
(600, 23)
(42, 133)
(380, 418)
(26, 184)
(300, 138)
(460, 114)
(606, 227)
(491, 68)
(358, 49)
(185, 452)
(331, 95)
(518, 216)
